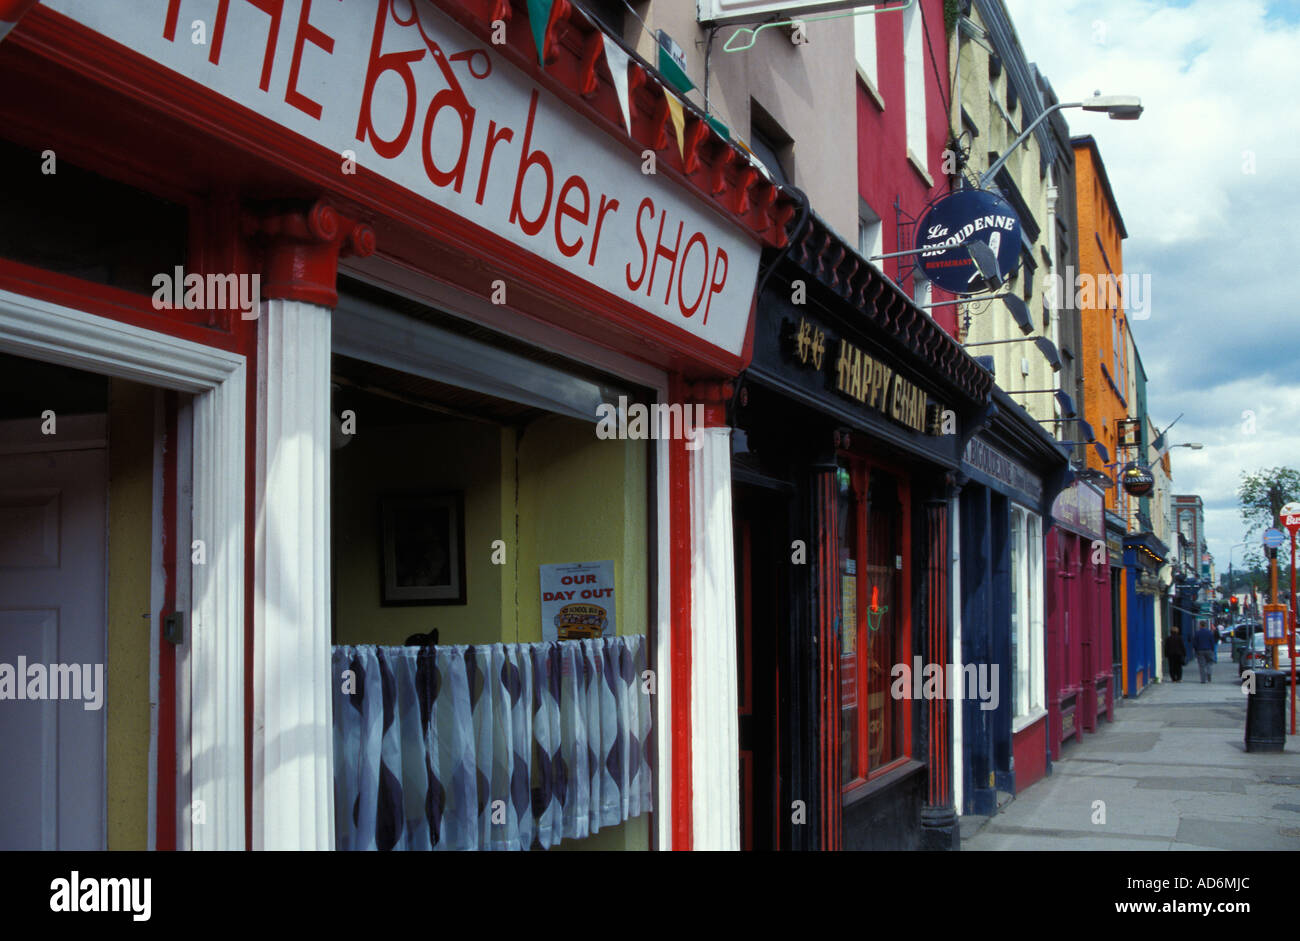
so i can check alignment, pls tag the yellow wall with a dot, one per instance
(581, 499)
(455, 455)
(130, 518)
(999, 123)
(553, 492)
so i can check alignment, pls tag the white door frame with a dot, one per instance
(214, 628)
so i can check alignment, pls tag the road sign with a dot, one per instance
(1290, 517)
(1274, 623)
(1273, 538)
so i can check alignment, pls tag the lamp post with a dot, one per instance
(1119, 107)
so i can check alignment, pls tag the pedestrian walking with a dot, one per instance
(1175, 653)
(1204, 646)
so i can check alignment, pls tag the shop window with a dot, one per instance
(1026, 613)
(871, 232)
(922, 288)
(771, 145)
(875, 620)
(451, 507)
(611, 14)
(914, 80)
(77, 223)
(864, 50)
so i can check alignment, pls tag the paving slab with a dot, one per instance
(1170, 773)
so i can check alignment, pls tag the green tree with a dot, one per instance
(1262, 495)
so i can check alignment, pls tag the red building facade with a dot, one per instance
(295, 144)
(903, 130)
(1079, 678)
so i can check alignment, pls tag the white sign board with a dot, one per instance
(415, 98)
(578, 600)
(756, 11)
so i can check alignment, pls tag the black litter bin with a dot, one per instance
(1265, 712)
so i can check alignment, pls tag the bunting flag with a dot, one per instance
(616, 58)
(670, 68)
(723, 131)
(679, 120)
(759, 165)
(539, 14)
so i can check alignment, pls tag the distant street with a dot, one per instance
(1173, 774)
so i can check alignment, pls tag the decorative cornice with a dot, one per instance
(302, 247)
(821, 253)
(714, 396)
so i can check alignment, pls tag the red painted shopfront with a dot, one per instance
(1078, 621)
(360, 165)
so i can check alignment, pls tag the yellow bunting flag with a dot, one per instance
(679, 121)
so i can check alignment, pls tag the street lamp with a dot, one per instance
(1045, 346)
(1062, 398)
(1119, 107)
(1019, 311)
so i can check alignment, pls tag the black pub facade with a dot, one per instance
(849, 428)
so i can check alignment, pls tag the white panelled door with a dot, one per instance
(53, 498)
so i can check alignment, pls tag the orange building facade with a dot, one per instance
(1098, 292)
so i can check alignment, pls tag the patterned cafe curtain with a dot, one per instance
(500, 747)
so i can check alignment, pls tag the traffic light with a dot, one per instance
(1233, 601)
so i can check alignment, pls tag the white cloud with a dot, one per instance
(1219, 82)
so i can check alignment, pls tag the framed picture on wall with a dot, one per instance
(422, 548)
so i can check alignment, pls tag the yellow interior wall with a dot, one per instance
(452, 455)
(554, 493)
(581, 499)
(130, 519)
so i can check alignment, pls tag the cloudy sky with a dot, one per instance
(1207, 184)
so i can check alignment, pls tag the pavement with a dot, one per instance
(1171, 773)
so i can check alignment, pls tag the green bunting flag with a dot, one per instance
(539, 14)
(672, 71)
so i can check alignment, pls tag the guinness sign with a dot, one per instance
(1137, 480)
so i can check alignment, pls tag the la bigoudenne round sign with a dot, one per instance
(963, 217)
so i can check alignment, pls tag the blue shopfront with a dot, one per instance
(1144, 554)
(1011, 473)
